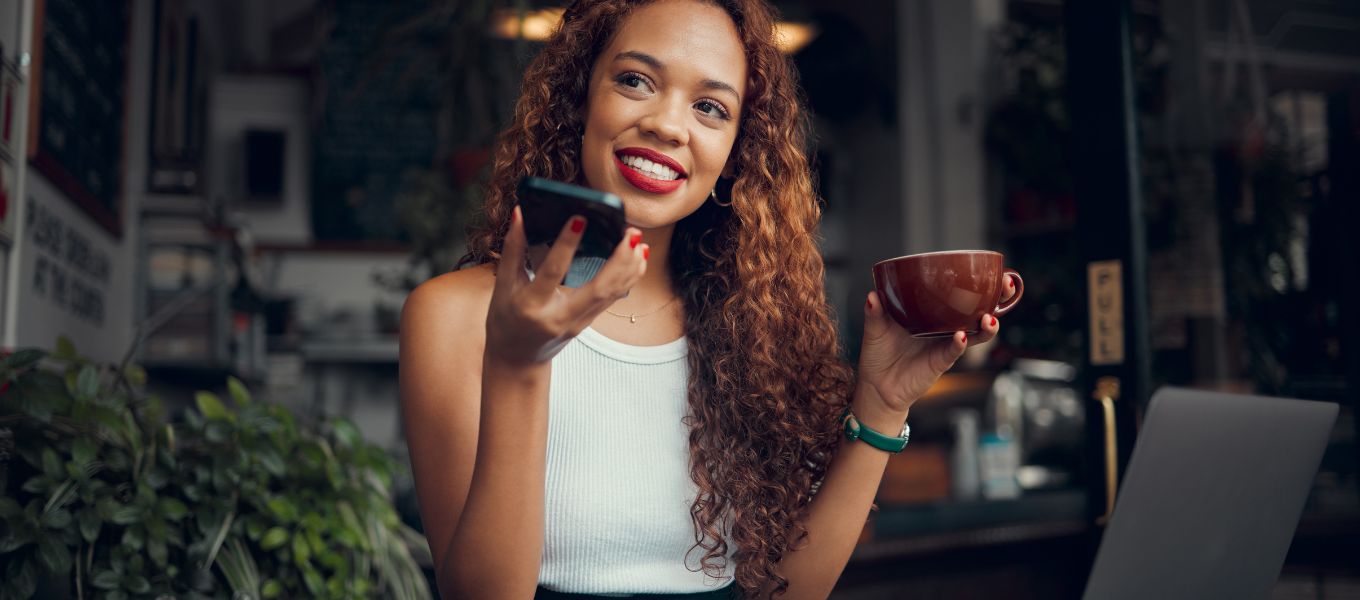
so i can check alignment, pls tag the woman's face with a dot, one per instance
(663, 109)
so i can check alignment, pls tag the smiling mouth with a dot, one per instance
(649, 169)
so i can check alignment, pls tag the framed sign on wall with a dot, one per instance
(78, 100)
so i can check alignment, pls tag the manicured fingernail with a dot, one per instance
(868, 304)
(1010, 283)
(993, 321)
(633, 241)
(964, 338)
(646, 252)
(577, 224)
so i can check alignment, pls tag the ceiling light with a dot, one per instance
(539, 25)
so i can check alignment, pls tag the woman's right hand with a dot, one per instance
(530, 321)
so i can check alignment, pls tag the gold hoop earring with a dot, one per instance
(713, 195)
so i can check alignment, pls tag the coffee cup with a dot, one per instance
(938, 293)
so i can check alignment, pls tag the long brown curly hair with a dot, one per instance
(766, 380)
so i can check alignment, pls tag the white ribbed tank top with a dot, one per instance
(618, 490)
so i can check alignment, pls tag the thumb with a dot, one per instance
(877, 323)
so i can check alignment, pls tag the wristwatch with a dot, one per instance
(854, 430)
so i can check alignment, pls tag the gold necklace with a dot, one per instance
(632, 318)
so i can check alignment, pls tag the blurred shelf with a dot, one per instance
(894, 549)
(192, 372)
(377, 350)
(953, 516)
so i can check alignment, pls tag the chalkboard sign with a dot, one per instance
(376, 125)
(79, 109)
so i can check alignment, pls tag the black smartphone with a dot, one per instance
(546, 205)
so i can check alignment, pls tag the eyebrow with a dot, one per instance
(653, 62)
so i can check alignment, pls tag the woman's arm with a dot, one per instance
(894, 371)
(475, 368)
(459, 455)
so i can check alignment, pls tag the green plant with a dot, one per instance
(104, 496)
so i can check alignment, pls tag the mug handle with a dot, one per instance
(1006, 306)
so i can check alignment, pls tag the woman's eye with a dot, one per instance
(632, 80)
(712, 109)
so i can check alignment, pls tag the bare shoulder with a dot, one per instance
(456, 300)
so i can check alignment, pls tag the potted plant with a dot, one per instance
(104, 493)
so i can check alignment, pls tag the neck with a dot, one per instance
(655, 288)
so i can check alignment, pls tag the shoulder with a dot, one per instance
(449, 307)
(456, 295)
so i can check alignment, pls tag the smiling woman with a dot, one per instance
(673, 426)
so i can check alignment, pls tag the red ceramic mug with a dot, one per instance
(937, 293)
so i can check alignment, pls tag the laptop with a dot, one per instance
(1212, 496)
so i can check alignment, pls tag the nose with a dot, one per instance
(667, 123)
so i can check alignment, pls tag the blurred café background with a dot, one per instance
(248, 189)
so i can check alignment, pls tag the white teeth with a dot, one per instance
(651, 169)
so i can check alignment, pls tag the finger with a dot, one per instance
(618, 275)
(1008, 290)
(510, 271)
(945, 352)
(558, 260)
(986, 330)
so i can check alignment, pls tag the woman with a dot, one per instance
(694, 385)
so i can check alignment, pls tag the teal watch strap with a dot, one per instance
(854, 430)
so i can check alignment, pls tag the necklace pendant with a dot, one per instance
(632, 319)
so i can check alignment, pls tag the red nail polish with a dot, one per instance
(633, 241)
(965, 338)
(868, 304)
(646, 252)
(577, 224)
(993, 321)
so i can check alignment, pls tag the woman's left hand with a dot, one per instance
(896, 369)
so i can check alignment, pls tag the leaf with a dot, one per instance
(238, 391)
(155, 478)
(57, 518)
(13, 541)
(135, 375)
(136, 584)
(133, 538)
(65, 350)
(301, 552)
(20, 577)
(155, 548)
(24, 357)
(83, 450)
(347, 433)
(211, 407)
(271, 589)
(272, 462)
(9, 507)
(172, 508)
(51, 464)
(106, 580)
(54, 556)
(126, 515)
(217, 432)
(284, 509)
(315, 584)
(87, 383)
(89, 525)
(274, 538)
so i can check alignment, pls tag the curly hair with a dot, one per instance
(766, 380)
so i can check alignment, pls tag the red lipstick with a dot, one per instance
(644, 182)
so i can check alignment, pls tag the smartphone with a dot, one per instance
(546, 205)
